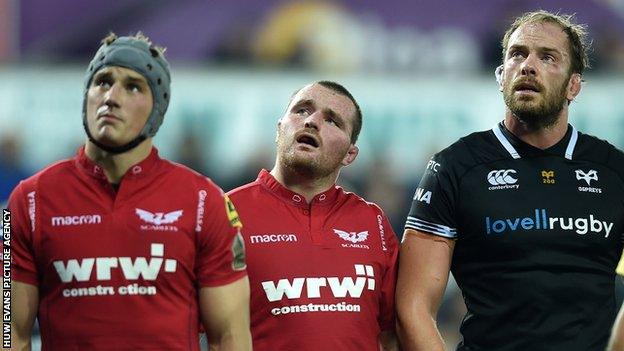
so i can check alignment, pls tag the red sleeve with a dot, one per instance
(22, 206)
(221, 251)
(387, 314)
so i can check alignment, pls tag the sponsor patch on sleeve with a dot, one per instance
(230, 210)
(238, 251)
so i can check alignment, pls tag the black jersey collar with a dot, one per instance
(511, 143)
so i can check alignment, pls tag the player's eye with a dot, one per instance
(333, 121)
(104, 82)
(133, 87)
(548, 58)
(516, 54)
(302, 111)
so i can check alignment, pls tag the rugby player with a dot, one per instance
(321, 261)
(118, 249)
(528, 215)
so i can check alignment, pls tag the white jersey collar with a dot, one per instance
(498, 132)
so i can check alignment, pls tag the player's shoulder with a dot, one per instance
(49, 174)
(593, 149)
(468, 151)
(367, 211)
(48, 178)
(186, 176)
(354, 200)
(245, 190)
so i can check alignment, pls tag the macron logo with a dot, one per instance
(159, 218)
(272, 238)
(76, 220)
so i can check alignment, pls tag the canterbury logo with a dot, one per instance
(352, 236)
(159, 218)
(592, 174)
(502, 177)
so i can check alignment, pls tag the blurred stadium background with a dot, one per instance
(422, 72)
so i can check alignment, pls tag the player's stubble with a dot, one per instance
(537, 115)
(316, 165)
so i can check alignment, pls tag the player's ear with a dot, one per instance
(351, 155)
(499, 73)
(277, 130)
(574, 86)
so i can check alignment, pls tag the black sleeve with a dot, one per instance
(433, 205)
(615, 161)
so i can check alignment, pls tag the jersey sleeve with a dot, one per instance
(387, 314)
(221, 251)
(433, 203)
(22, 208)
(615, 161)
(620, 267)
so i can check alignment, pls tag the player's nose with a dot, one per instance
(314, 120)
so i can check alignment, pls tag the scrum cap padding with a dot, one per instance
(139, 56)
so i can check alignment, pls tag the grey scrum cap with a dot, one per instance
(140, 56)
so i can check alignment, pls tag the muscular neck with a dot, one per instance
(301, 183)
(542, 138)
(116, 165)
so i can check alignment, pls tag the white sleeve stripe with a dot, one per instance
(431, 224)
(433, 228)
(430, 227)
(427, 230)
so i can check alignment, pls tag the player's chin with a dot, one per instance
(527, 98)
(524, 107)
(303, 161)
(110, 138)
(303, 158)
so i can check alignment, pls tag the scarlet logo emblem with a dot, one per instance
(159, 218)
(352, 236)
(502, 177)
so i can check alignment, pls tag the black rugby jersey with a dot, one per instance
(538, 236)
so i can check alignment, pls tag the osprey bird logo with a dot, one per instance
(592, 174)
(159, 218)
(352, 236)
(548, 174)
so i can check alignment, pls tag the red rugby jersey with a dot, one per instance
(121, 271)
(323, 274)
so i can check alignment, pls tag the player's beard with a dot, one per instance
(537, 116)
(301, 163)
